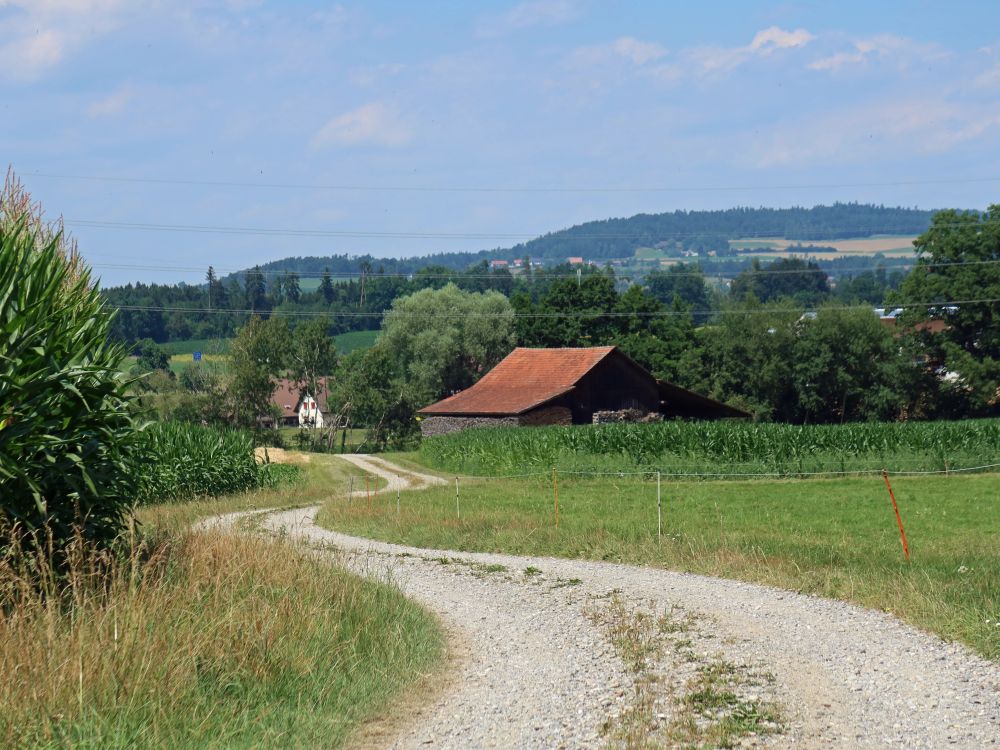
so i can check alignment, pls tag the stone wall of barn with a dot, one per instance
(444, 425)
(432, 426)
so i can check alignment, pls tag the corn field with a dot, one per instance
(178, 461)
(719, 447)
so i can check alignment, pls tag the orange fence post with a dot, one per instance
(368, 492)
(899, 520)
(555, 494)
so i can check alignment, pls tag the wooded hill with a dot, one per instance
(619, 237)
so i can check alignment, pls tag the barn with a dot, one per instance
(567, 386)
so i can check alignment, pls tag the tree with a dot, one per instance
(370, 390)
(256, 357)
(152, 356)
(326, 289)
(792, 278)
(847, 367)
(293, 290)
(443, 340)
(748, 357)
(256, 294)
(957, 268)
(685, 281)
(660, 339)
(312, 355)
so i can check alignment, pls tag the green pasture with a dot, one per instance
(834, 538)
(348, 342)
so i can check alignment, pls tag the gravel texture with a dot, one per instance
(539, 672)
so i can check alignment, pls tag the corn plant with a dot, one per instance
(180, 461)
(731, 447)
(64, 417)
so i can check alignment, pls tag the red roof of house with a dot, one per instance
(526, 378)
(286, 396)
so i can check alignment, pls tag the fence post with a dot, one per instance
(368, 492)
(458, 510)
(555, 493)
(350, 491)
(659, 509)
(899, 520)
(397, 499)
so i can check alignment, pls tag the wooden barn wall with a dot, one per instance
(614, 385)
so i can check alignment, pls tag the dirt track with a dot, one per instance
(538, 671)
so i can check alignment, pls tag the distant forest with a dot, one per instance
(618, 238)
(168, 312)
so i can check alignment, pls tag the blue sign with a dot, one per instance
(197, 356)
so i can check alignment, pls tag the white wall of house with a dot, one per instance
(309, 412)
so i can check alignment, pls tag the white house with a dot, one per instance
(310, 413)
(300, 409)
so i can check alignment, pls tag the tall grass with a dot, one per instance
(728, 447)
(176, 460)
(181, 639)
(204, 640)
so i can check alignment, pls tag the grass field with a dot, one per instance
(210, 640)
(835, 538)
(348, 342)
(206, 346)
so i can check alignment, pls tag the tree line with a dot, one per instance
(762, 349)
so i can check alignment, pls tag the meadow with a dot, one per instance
(719, 449)
(829, 537)
(205, 639)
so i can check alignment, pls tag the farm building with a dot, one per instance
(567, 386)
(298, 408)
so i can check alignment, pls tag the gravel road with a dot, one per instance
(540, 669)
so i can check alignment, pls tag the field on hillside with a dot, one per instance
(885, 244)
(835, 538)
(719, 448)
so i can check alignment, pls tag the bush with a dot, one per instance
(64, 416)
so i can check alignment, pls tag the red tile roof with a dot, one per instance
(286, 396)
(526, 378)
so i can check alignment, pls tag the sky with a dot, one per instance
(404, 128)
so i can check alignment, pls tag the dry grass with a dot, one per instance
(206, 639)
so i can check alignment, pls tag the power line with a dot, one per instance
(582, 314)
(349, 187)
(863, 232)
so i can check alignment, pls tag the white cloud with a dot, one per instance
(764, 43)
(880, 47)
(638, 52)
(627, 48)
(875, 131)
(110, 105)
(372, 124)
(989, 78)
(28, 57)
(772, 38)
(39, 34)
(527, 15)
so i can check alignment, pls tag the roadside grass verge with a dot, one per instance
(205, 639)
(834, 538)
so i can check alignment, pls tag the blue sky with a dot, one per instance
(553, 111)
